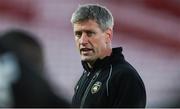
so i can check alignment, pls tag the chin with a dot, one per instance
(88, 59)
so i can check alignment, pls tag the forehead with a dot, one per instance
(85, 25)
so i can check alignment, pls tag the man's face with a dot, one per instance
(91, 41)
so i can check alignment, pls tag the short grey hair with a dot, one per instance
(100, 14)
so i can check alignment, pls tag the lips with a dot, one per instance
(85, 50)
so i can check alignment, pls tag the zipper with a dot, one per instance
(77, 88)
(88, 88)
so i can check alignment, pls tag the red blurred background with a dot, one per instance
(148, 31)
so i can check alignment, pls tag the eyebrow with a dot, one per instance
(84, 31)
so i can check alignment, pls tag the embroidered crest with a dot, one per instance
(95, 88)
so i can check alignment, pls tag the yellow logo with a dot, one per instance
(95, 88)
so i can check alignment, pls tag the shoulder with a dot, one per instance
(125, 72)
(124, 69)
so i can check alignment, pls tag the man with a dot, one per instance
(22, 73)
(108, 79)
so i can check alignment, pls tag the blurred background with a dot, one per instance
(148, 31)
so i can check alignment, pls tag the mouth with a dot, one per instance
(86, 50)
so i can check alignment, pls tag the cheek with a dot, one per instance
(77, 43)
(101, 43)
(99, 46)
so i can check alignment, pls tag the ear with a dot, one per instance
(109, 35)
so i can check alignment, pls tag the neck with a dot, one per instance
(107, 53)
(91, 63)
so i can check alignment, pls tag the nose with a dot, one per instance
(84, 39)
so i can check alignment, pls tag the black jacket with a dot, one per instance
(112, 82)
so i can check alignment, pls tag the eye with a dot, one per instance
(78, 34)
(90, 33)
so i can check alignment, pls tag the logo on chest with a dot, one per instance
(96, 87)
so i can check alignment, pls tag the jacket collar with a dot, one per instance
(115, 56)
